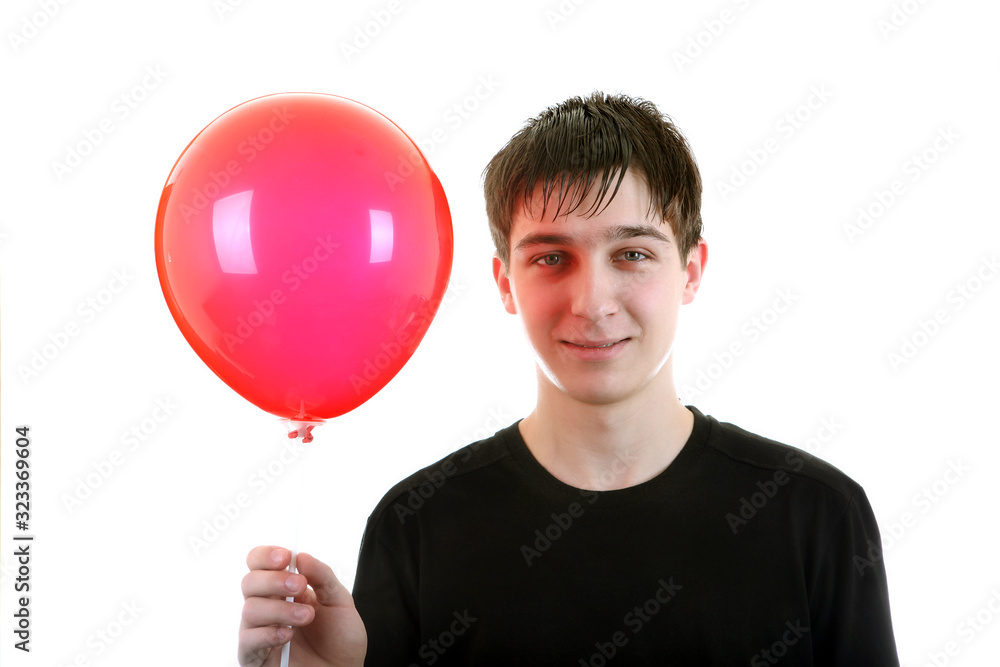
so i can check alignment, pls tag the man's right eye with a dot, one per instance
(542, 259)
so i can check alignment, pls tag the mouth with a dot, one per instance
(593, 345)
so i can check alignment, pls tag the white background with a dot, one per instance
(888, 90)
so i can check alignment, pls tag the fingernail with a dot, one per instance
(290, 583)
(276, 556)
(301, 613)
(284, 634)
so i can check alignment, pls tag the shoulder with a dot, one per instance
(754, 452)
(463, 464)
(817, 498)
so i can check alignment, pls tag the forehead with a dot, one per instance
(591, 237)
(630, 195)
(627, 215)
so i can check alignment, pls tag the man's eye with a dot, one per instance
(635, 252)
(541, 260)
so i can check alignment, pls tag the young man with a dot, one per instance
(613, 522)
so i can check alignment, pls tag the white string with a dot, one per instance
(286, 649)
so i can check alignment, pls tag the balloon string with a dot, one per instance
(286, 649)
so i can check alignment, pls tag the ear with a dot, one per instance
(695, 269)
(503, 283)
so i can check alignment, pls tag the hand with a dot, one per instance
(326, 627)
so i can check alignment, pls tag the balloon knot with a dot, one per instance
(307, 437)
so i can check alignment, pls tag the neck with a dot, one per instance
(609, 446)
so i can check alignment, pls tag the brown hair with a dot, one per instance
(580, 139)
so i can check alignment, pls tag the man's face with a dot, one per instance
(579, 283)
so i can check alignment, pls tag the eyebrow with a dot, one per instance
(610, 235)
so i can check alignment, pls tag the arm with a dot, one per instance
(850, 595)
(385, 590)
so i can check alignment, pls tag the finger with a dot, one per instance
(276, 584)
(328, 589)
(255, 644)
(258, 612)
(269, 558)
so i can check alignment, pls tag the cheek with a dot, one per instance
(656, 308)
(515, 305)
(541, 319)
(538, 317)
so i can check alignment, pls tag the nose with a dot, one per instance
(593, 291)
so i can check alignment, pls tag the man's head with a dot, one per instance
(598, 288)
(568, 147)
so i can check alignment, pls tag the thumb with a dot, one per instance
(329, 591)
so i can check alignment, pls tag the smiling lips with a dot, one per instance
(595, 344)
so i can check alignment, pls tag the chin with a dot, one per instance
(592, 392)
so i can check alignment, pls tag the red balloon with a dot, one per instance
(303, 245)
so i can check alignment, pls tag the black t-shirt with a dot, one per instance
(743, 551)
